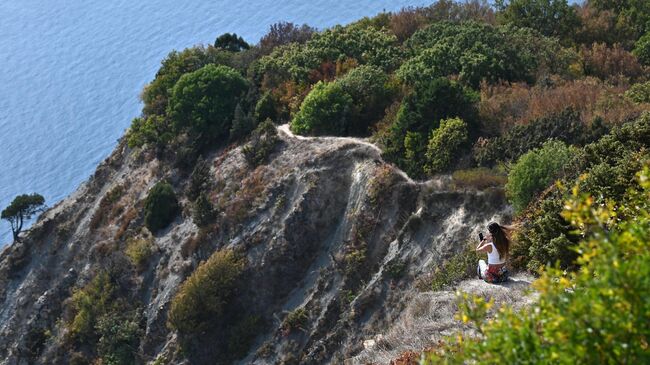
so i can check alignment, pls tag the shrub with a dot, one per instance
(553, 18)
(263, 141)
(565, 127)
(444, 145)
(594, 315)
(138, 250)
(203, 297)
(459, 267)
(284, 33)
(105, 209)
(102, 318)
(639, 93)
(536, 170)
(199, 179)
(265, 108)
(231, 42)
(203, 102)
(160, 206)
(326, 110)
(642, 49)
(420, 113)
(156, 94)
(479, 178)
(295, 319)
(370, 92)
(503, 107)
(476, 51)
(203, 212)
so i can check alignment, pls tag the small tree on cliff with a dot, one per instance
(22, 208)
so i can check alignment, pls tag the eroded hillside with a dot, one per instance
(333, 238)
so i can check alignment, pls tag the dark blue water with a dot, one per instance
(71, 72)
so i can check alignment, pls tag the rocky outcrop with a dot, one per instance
(329, 230)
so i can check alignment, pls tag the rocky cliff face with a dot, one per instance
(331, 234)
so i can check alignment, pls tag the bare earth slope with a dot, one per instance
(326, 227)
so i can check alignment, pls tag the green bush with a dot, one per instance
(160, 206)
(596, 315)
(642, 49)
(639, 93)
(479, 178)
(368, 86)
(138, 250)
(203, 212)
(444, 145)
(203, 102)
(553, 18)
(262, 143)
(459, 267)
(203, 297)
(476, 51)
(535, 171)
(326, 110)
(105, 321)
(420, 113)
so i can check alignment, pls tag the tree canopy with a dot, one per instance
(22, 208)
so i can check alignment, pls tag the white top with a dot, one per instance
(493, 257)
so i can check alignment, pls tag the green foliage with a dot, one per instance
(160, 206)
(476, 51)
(419, 114)
(243, 335)
(370, 91)
(636, 13)
(265, 108)
(138, 250)
(156, 94)
(444, 145)
(479, 178)
(565, 126)
(119, 338)
(536, 170)
(595, 315)
(639, 93)
(203, 212)
(154, 129)
(242, 124)
(203, 102)
(231, 42)
(262, 143)
(326, 110)
(22, 208)
(295, 319)
(202, 299)
(642, 49)
(553, 18)
(199, 179)
(460, 266)
(297, 62)
(103, 318)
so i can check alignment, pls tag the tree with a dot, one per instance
(642, 49)
(231, 42)
(553, 18)
(285, 33)
(22, 208)
(203, 213)
(326, 110)
(444, 144)
(160, 206)
(535, 171)
(203, 102)
(242, 124)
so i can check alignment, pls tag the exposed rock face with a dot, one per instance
(326, 227)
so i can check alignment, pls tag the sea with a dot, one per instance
(71, 72)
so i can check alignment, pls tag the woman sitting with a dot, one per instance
(497, 245)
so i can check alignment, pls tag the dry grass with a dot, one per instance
(479, 178)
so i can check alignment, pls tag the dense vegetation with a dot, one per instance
(526, 97)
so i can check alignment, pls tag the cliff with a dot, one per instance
(327, 228)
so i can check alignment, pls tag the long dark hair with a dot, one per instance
(500, 238)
